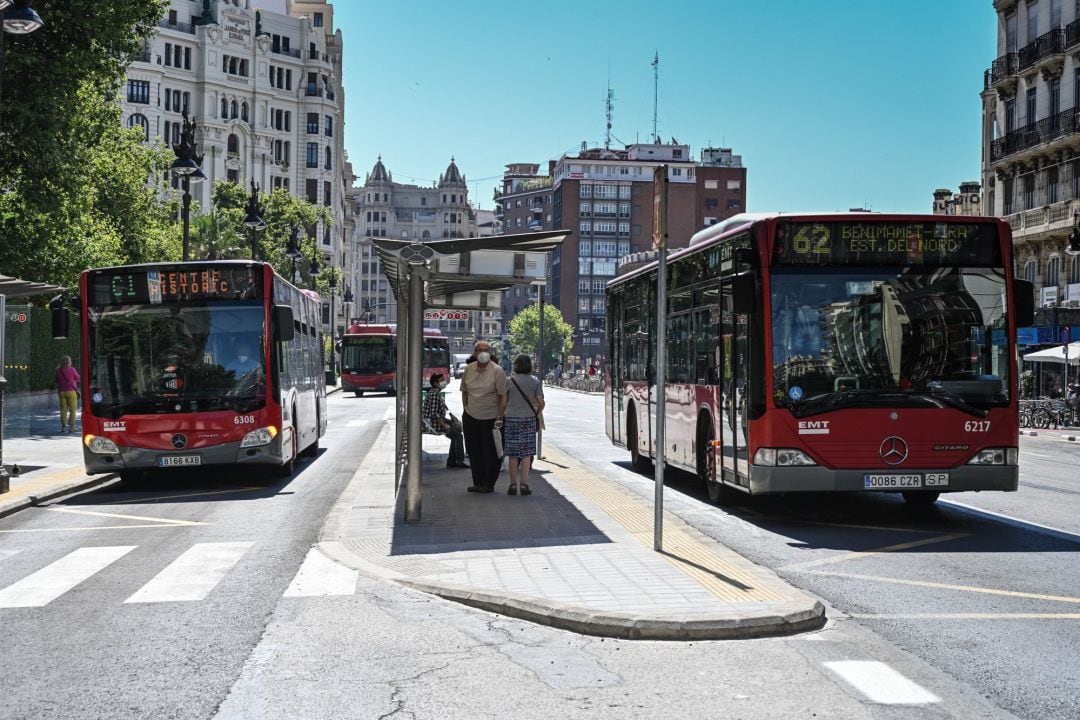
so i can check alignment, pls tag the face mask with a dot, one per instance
(483, 357)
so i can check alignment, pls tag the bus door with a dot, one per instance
(734, 388)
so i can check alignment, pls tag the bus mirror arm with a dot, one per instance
(1023, 303)
(283, 323)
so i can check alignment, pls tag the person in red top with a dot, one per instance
(67, 385)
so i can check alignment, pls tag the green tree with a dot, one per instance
(525, 334)
(73, 181)
(282, 211)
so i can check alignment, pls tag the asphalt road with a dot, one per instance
(181, 577)
(982, 587)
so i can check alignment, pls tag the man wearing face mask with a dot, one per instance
(483, 395)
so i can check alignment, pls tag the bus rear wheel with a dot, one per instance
(921, 499)
(706, 463)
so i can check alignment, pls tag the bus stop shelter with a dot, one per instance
(459, 273)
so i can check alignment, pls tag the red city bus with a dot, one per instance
(199, 363)
(369, 358)
(819, 352)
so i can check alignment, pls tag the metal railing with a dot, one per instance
(181, 26)
(290, 52)
(1050, 128)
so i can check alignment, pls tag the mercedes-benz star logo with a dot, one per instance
(894, 450)
(179, 441)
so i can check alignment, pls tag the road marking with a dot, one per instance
(357, 423)
(319, 575)
(159, 498)
(55, 579)
(4, 554)
(880, 683)
(949, 586)
(192, 575)
(1028, 452)
(876, 551)
(163, 521)
(968, 616)
(1009, 519)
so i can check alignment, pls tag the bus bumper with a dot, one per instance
(136, 458)
(766, 479)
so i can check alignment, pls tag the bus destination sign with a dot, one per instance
(165, 285)
(868, 242)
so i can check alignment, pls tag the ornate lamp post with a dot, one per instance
(315, 269)
(346, 305)
(254, 219)
(186, 165)
(292, 251)
(19, 20)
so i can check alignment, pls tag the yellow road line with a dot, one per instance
(21, 489)
(163, 521)
(876, 551)
(949, 586)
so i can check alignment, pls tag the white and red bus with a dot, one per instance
(199, 363)
(369, 358)
(855, 352)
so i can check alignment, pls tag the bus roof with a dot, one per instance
(387, 329)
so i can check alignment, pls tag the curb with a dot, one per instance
(790, 618)
(31, 500)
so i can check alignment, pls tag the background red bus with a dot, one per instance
(827, 352)
(369, 358)
(199, 363)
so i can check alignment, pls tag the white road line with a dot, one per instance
(319, 575)
(54, 580)
(193, 575)
(357, 423)
(880, 683)
(1028, 452)
(4, 554)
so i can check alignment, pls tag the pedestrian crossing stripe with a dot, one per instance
(189, 578)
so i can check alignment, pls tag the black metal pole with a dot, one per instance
(5, 482)
(3, 58)
(187, 221)
(254, 245)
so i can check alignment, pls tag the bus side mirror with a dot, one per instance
(744, 293)
(61, 318)
(283, 323)
(1023, 303)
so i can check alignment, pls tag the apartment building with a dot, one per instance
(1031, 150)
(262, 79)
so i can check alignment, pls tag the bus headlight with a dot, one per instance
(782, 457)
(260, 437)
(100, 445)
(995, 456)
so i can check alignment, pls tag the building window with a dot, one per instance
(585, 227)
(1029, 271)
(1029, 191)
(734, 204)
(583, 287)
(1032, 102)
(139, 120)
(328, 164)
(243, 109)
(224, 109)
(313, 155)
(584, 248)
(317, 19)
(329, 126)
(233, 110)
(312, 189)
(1074, 274)
(187, 58)
(139, 91)
(1053, 266)
(328, 193)
(1052, 185)
(233, 146)
(1007, 197)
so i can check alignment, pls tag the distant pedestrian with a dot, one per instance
(67, 387)
(483, 395)
(523, 410)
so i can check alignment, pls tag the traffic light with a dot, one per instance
(1074, 242)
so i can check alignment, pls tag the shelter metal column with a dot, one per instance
(400, 394)
(415, 365)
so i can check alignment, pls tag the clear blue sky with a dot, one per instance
(831, 104)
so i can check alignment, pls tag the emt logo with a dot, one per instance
(813, 427)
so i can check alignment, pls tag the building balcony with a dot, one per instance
(1048, 49)
(142, 56)
(1055, 218)
(288, 52)
(179, 26)
(1040, 132)
(1045, 47)
(312, 91)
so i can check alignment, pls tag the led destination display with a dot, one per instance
(887, 243)
(163, 285)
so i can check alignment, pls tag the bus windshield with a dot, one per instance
(368, 355)
(176, 357)
(896, 336)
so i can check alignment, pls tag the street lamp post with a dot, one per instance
(331, 376)
(19, 20)
(292, 251)
(346, 306)
(186, 166)
(254, 219)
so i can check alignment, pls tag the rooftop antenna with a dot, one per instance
(656, 87)
(610, 109)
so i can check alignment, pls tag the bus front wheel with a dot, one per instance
(637, 460)
(358, 393)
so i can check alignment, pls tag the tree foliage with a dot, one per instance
(73, 181)
(525, 334)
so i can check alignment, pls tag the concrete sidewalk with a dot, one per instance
(576, 554)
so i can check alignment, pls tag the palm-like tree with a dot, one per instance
(215, 239)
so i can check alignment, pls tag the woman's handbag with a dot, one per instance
(538, 415)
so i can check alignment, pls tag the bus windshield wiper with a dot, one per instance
(943, 399)
(881, 398)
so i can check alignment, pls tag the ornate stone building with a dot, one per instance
(1031, 150)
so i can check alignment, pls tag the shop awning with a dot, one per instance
(1056, 354)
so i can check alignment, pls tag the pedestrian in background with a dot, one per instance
(67, 387)
(442, 420)
(483, 395)
(522, 421)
